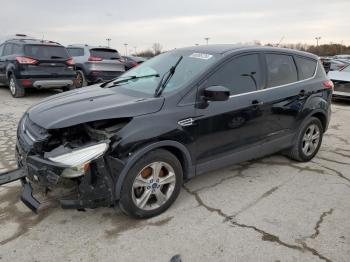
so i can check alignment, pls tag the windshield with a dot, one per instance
(191, 66)
(46, 52)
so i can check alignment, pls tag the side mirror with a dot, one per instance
(216, 93)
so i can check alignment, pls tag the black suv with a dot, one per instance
(26, 63)
(183, 113)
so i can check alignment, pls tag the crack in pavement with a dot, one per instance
(265, 235)
(339, 174)
(240, 169)
(319, 222)
(332, 160)
(249, 205)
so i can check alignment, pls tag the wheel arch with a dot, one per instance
(176, 148)
(322, 117)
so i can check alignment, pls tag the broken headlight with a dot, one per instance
(79, 159)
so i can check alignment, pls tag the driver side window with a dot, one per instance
(240, 75)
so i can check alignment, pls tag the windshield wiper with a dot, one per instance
(166, 78)
(122, 80)
(56, 57)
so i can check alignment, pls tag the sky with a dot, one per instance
(176, 23)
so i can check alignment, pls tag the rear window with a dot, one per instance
(76, 51)
(44, 52)
(105, 53)
(306, 67)
(281, 70)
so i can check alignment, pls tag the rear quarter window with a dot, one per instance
(307, 67)
(281, 70)
(76, 51)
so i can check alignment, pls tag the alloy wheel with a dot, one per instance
(79, 80)
(153, 186)
(311, 139)
(12, 86)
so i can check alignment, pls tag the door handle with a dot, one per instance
(257, 102)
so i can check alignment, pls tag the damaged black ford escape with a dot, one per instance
(135, 139)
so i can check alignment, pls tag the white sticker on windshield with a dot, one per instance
(201, 56)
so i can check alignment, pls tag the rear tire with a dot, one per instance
(151, 185)
(308, 141)
(15, 89)
(80, 80)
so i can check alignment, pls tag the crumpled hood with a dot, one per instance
(90, 104)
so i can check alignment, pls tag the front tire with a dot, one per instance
(15, 89)
(152, 185)
(308, 141)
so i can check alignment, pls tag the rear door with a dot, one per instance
(227, 127)
(285, 94)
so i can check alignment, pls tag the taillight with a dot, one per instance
(95, 58)
(70, 61)
(134, 63)
(26, 82)
(328, 84)
(26, 60)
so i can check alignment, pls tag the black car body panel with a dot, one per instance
(89, 104)
(203, 135)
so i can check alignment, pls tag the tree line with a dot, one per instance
(321, 50)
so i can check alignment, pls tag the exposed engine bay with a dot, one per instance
(76, 153)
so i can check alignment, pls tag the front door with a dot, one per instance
(228, 127)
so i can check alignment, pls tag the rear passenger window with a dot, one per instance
(1, 48)
(306, 67)
(241, 75)
(16, 49)
(281, 70)
(75, 51)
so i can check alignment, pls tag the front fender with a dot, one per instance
(132, 159)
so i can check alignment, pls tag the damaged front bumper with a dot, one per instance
(27, 191)
(94, 186)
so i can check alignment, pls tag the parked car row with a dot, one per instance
(335, 63)
(31, 63)
(338, 70)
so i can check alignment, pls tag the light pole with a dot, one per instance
(126, 48)
(318, 38)
(108, 40)
(207, 39)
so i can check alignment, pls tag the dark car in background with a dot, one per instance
(132, 61)
(135, 139)
(95, 63)
(27, 63)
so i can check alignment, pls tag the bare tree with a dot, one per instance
(157, 48)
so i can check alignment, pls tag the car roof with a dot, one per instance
(90, 46)
(31, 41)
(224, 49)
